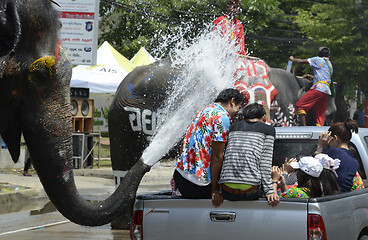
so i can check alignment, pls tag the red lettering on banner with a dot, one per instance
(77, 15)
(87, 40)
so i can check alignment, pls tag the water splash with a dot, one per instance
(207, 66)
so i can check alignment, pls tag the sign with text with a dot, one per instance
(79, 31)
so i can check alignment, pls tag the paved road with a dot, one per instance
(37, 219)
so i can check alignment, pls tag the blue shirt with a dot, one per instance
(348, 167)
(322, 69)
(359, 117)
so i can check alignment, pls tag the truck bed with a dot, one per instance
(172, 217)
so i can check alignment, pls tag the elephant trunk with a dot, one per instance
(47, 129)
(49, 140)
(67, 200)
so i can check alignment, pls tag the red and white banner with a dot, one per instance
(79, 32)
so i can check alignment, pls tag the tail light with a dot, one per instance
(316, 227)
(136, 230)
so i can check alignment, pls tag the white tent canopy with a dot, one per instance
(106, 76)
(142, 57)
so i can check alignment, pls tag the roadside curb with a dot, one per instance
(22, 195)
(102, 173)
(34, 189)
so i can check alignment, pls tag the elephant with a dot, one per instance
(35, 73)
(136, 109)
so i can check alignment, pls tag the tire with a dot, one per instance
(363, 237)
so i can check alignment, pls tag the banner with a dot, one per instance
(79, 31)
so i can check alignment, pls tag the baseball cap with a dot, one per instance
(309, 165)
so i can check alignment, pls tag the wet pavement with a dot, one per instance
(30, 215)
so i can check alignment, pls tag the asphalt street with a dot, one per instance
(28, 214)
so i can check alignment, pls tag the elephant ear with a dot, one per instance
(12, 139)
(10, 33)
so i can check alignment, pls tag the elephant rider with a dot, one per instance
(317, 96)
(199, 165)
(230, 28)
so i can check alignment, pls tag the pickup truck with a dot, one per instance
(343, 216)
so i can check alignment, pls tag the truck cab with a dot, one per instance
(295, 142)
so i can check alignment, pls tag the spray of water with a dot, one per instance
(207, 66)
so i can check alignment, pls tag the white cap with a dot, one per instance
(309, 165)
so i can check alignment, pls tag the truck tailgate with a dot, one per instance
(198, 219)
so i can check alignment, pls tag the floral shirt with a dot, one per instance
(357, 182)
(322, 69)
(295, 192)
(211, 124)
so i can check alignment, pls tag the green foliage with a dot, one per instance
(133, 24)
(342, 26)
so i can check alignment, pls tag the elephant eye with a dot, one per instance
(42, 71)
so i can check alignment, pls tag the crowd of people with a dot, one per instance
(224, 159)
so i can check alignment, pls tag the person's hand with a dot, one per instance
(273, 199)
(291, 58)
(308, 76)
(323, 140)
(217, 198)
(282, 184)
(286, 167)
(276, 173)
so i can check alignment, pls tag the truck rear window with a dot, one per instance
(292, 148)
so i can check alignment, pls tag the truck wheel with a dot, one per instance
(363, 234)
(363, 237)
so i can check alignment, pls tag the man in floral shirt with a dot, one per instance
(317, 97)
(198, 168)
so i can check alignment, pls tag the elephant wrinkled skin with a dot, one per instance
(35, 74)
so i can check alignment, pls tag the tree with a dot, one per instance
(342, 25)
(128, 25)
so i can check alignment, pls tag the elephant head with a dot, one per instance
(35, 74)
(253, 82)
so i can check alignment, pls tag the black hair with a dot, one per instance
(252, 111)
(235, 3)
(323, 185)
(229, 93)
(343, 129)
(323, 52)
